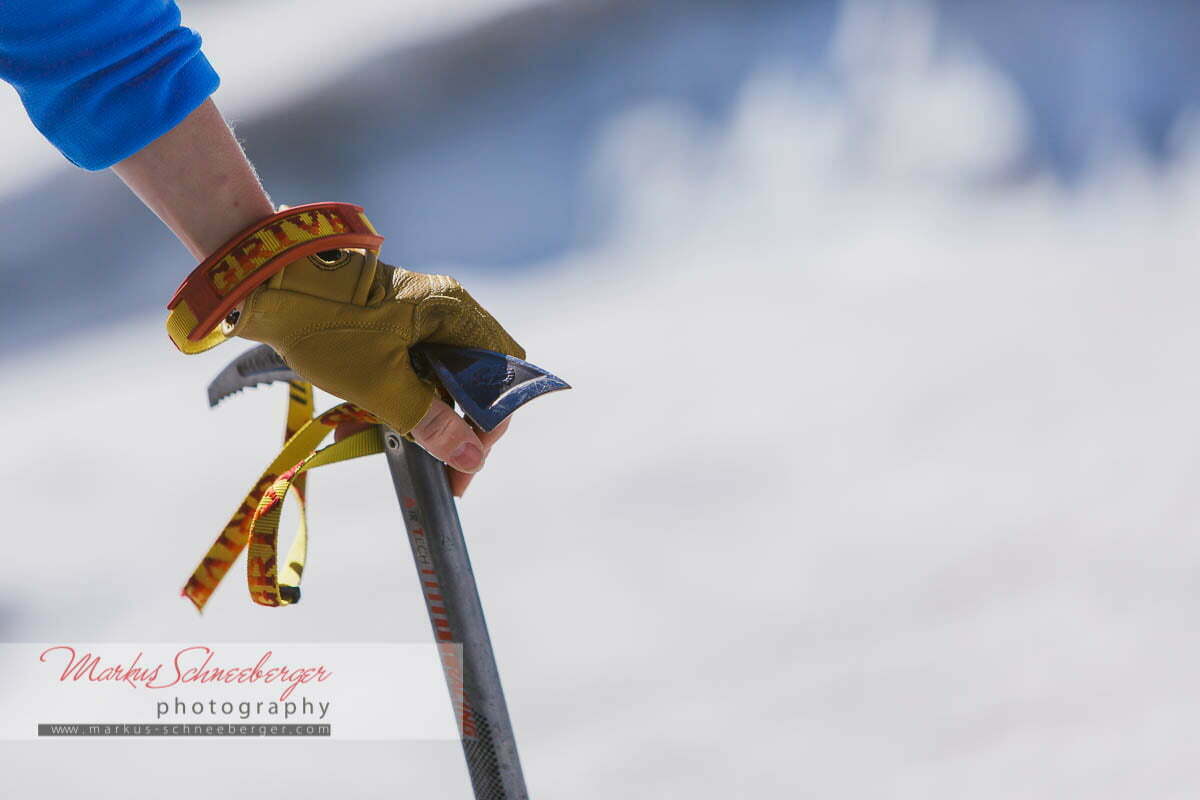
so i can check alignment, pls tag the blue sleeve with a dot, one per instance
(101, 79)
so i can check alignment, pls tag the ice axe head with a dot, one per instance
(486, 385)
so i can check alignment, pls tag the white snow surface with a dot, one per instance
(875, 480)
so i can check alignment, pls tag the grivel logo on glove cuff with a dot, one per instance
(245, 262)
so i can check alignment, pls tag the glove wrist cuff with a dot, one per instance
(251, 257)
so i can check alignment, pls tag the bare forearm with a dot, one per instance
(198, 181)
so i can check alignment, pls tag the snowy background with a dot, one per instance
(877, 476)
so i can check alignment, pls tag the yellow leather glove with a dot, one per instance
(344, 321)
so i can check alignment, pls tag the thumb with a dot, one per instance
(449, 438)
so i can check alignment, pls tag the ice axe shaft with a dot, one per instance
(456, 615)
(488, 386)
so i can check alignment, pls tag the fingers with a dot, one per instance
(460, 480)
(449, 438)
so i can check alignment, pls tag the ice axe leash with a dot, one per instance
(487, 386)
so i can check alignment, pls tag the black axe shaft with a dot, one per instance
(456, 615)
(488, 387)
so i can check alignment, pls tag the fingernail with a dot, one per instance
(467, 457)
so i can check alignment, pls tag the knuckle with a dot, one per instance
(437, 428)
(443, 286)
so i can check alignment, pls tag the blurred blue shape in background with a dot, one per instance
(474, 151)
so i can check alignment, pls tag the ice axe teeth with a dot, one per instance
(256, 366)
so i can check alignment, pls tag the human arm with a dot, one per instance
(122, 83)
(198, 181)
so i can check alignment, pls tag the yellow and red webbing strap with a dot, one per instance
(251, 257)
(262, 558)
(300, 409)
(256, 519)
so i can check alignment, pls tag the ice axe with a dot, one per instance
(487, 386)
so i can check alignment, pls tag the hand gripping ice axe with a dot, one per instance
(487, 386)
